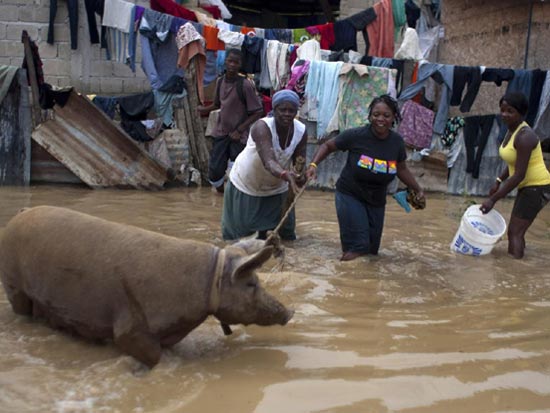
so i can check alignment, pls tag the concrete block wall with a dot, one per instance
(84, 68)
(493, 33)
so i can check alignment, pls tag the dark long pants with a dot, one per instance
(72, 6)
(476, 134)
(223, 149)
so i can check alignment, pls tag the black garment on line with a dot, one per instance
(497, 75)
(93, 7)
(476, 134)
(463, 75)
(72, 6)
(413, 13)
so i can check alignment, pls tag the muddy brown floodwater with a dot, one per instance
(416, 329)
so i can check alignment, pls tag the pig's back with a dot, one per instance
(72, 264)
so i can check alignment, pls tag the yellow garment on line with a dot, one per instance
(536, 173)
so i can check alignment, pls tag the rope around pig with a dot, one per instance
(275, 233)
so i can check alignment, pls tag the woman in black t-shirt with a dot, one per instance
(376, 154)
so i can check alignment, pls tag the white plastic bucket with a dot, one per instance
(478, 233)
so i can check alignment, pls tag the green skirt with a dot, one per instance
(244, 214)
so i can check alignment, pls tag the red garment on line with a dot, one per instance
(173, 9)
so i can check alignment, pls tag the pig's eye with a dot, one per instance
(251, 284)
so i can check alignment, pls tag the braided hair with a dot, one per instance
(391, 103)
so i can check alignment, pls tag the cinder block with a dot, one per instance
(56, 67)
(64, 81)
(23, 2)
(136, 85)
(25, 14)
(63, 51)
(16, 61)
(10, 13)
(14, 30)
(122, 70)
(61, 32)
(42, 15)
(110, 86)
(93, 86)
(47, 51)
(6, 61)
(3, 30)
(100, 68)
(14, 49)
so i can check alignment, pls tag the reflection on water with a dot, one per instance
(416, 329)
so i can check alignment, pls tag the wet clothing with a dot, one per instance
(254, 198)
(360, 225)
(537, 174)
(361, 189)
(371, 164)
(534, 190)
(244, 214)
(530, 200)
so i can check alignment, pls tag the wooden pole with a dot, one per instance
(36, 111)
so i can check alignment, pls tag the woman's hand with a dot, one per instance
(235, 135)
(487, 205)
(311, 173)
(290, 177)
(416, 199)
(301, 179)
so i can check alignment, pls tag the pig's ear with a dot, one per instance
(245, 265)
(250, 245)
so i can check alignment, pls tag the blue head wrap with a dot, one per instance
(285, 95)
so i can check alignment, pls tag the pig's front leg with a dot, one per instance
(136, 340)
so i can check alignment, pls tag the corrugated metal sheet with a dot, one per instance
(15, 133)
(45, 169)
(95, 149)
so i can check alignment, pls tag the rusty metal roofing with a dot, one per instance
(95, 149)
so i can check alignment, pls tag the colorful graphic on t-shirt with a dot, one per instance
(380, 166)
(377, 165)
(365, 162)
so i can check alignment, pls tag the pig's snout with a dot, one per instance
(288, 317)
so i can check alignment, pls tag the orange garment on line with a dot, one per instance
(381, 30)
(188, 52)
(248, 30)
(210, 35)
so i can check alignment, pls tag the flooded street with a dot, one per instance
(416, 329)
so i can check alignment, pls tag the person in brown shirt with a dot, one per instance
(240, 107)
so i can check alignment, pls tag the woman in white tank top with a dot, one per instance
(262, 173)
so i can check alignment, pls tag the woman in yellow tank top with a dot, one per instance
(526, 170)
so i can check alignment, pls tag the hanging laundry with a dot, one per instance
(416, 125)
(537, 83)
(72, 6)
(452, 127)
(322, 91)
(380, 31)
(358, 86)
(326, 31)
(252, 54)
(542, 120)
(443, 75)
(191, 45)
(462, 76)
(476, 135)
